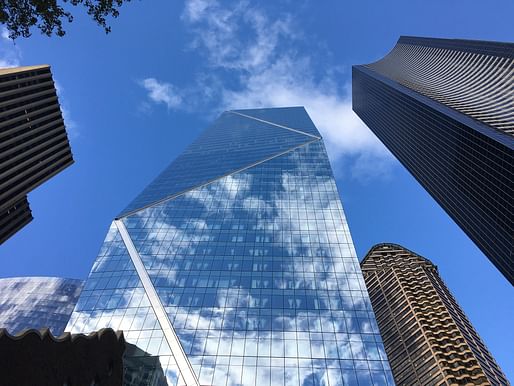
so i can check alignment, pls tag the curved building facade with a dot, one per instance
(445, 109)
(427, 337)
(474, 78)
(37, 302)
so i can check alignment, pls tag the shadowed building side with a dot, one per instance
(427, 336)
(445, 109)
(13, 218)
(33, 141)
(36, 357)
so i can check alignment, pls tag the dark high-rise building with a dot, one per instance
(37, 302)
(236, 265)
(33, 141)
(445, 109)
(36, 357)
(427, 337)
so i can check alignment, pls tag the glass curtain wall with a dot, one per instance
(241, 251)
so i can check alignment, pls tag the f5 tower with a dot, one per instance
(236, 265)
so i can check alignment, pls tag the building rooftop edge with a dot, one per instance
(483, 128)
(428, 38)
(13, 70)
(128, 212)
(269, 108)
(485, 47)
(66, 336)
(393, 245)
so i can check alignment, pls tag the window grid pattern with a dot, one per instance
(37, 302)
(33, 141)
(253, 141)
(259, 277)
(255, 269)
(113, 296)
(470, 174)
(428, 338)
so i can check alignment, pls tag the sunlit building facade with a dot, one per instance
(236, 265)
(37, 302)
(427, 336)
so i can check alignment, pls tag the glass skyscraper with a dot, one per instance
(445, 109)
(236, 265)
(37, 302)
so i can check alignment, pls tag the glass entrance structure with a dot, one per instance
(236, 265)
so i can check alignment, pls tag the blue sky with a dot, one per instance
(133, 100)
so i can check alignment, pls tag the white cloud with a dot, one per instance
(258, 52)
(72, 127)
(9, 53)
(290, 83)
(238, 36)
(162, 92)
(261, 51)
(194, 10)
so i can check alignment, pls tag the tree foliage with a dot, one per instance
(21, 16)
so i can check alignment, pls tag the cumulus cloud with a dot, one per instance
(262, 52)
(238, 36)
(286, 83)
(162, 92)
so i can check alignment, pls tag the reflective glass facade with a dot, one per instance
(445, 109)
(37, 302)
(244, 271)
